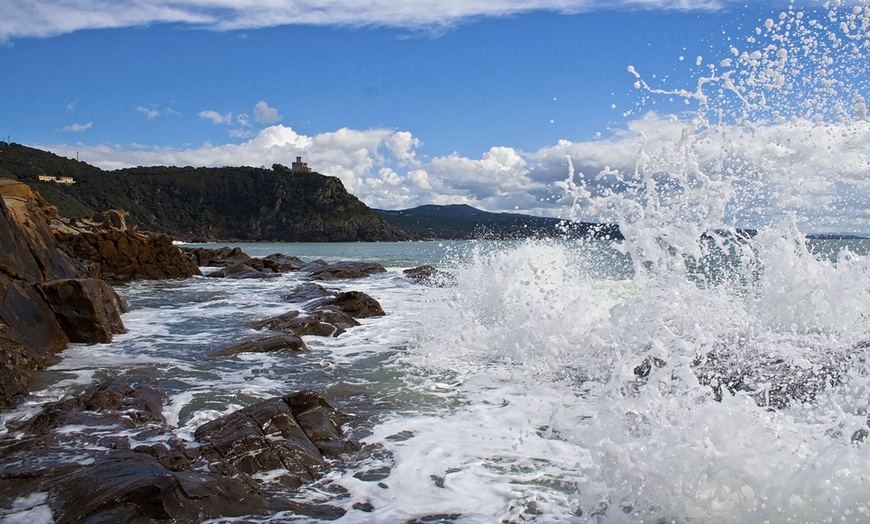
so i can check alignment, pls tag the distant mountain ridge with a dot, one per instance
(461, 221)
(205, 204)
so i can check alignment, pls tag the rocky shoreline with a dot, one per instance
(56, 278)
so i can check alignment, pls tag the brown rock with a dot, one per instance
(264, 345)
(356, 304)
(87, 309)
(122, 256)
(345, 270)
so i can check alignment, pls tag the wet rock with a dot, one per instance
(346, 270)
(30, 335)
(430, 276)
(135, 487)
(287, 433)
(221, 257)
(320, 323)
(771, 381)
(241, 271)
(307, 291)
(314, 264)
(265, 345)
(281, 263)
(88, 309)
(357, 304)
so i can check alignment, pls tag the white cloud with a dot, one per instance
(78, 128)
(215, 117)
(149, 113)
(43, 18)
(265, 114)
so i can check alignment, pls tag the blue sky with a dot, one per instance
(408, 103)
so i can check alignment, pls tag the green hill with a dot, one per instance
(226, 204)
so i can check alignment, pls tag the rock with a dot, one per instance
(113, 219)
(307, 291)
(771, 381)
(430, 276)
(221, 257)
(87, 309)
(320, 323)
(345, 270)
(264, 345)
(135, 487)
(124, 256)
(289, 433)
(30, 334)
(314, 264)
(241, 271)
(357, 304)
(282, 263)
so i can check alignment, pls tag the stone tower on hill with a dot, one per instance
(299, 166)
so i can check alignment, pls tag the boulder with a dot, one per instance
(345, 270)
(356, 304)
(241, 271)
(87, 309)
(281, 263)
(307, 291)
(221, 257)
(123, 256)
(320, 323)
(264, 345)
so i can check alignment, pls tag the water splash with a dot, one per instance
(723, 376)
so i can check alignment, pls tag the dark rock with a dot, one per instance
(307, 291)
(87, 309)
(135, 487)
(262, 437)
(771, 381)
(314, 264)
(357, 304)
(264, 345)
(346, 270)
(281, 263)
(320, 323)
(30, 334)
(241, 271)
(221, 257)
(430, 276)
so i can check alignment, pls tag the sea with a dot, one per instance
(688, 373)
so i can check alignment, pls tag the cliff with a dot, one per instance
(228, 203)
(44, 301)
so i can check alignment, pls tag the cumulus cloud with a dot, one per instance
(44, 18)
(78, 128)
(265, 114)
(215, 117)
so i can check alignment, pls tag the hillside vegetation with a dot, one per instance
(228, 203)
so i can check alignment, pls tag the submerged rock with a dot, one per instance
(429, 275)
(264, 345)
(241, 271)
(346, 270)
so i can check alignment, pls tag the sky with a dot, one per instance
(424, 102)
